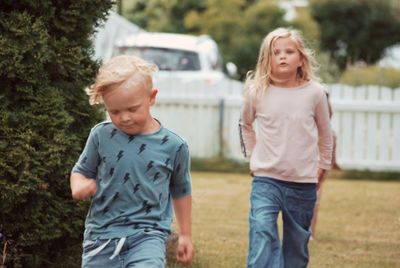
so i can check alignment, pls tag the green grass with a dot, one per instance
(358, 227)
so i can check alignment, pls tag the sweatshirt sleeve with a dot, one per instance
(246, 130)
(325, 142)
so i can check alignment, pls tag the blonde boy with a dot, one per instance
(134, 170)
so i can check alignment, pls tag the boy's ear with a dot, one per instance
(153, 95)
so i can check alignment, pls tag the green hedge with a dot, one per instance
(45, 63)
(371, 75)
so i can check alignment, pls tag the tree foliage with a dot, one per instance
(45, 64)
(354, 30)
(328, 70)
(162, 15)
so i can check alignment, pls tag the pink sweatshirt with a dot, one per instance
(293, 132)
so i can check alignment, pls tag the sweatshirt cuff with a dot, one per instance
(324, 166)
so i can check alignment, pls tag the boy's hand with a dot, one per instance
(185, 251)
(82, 188)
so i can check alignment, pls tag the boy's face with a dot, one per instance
(129, 108)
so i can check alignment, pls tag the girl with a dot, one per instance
(291, 152)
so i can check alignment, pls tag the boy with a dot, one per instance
(131, 167)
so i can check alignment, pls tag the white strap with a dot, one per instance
(118, 248)
(97, 250)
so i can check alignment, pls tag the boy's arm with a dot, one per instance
(183, 212)
(82, 188)
(82, 182)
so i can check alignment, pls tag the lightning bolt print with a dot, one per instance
(164, 139)
(131, 138)
(167, 162)
(105, 210)
(180, 148)
(127, 177)
(136, 188)
(146, 207)
(156, 176)
(120, 155)
(142, 148)
(115, 197)
(150, 165)
(113, 132)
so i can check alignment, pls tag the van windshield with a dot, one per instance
(166, 59)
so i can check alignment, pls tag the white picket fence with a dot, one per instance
(366, 120)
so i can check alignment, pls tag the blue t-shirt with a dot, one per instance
(136, 177)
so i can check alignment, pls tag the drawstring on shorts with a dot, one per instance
(117, 250)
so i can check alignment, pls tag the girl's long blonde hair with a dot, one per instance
(262, 77)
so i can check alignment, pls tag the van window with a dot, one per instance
(166, 59)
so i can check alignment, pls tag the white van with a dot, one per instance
(178, 56)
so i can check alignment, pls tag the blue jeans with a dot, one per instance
(296, 201)
(146, 248)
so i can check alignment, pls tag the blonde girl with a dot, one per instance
(291, 151)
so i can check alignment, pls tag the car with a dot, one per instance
(178, 56)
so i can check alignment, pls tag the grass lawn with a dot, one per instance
(359, 222)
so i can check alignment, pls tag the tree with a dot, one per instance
(353, 30)
(239, 27)
(162, 15)
(328, 69)
(45, 64)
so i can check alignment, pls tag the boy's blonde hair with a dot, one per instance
(262, 77)
(121, 70)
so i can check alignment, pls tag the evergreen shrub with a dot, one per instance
(45, 64)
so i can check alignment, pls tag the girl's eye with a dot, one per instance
(132, 110)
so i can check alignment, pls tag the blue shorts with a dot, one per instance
(145, 248)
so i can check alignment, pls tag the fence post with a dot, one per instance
(221, 110)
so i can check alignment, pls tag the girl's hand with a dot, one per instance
(321, 177)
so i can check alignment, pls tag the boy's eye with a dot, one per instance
(113, 112)
(132, 110)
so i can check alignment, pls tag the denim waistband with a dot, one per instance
(289, 184)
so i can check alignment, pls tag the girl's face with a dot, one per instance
(285, 59)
